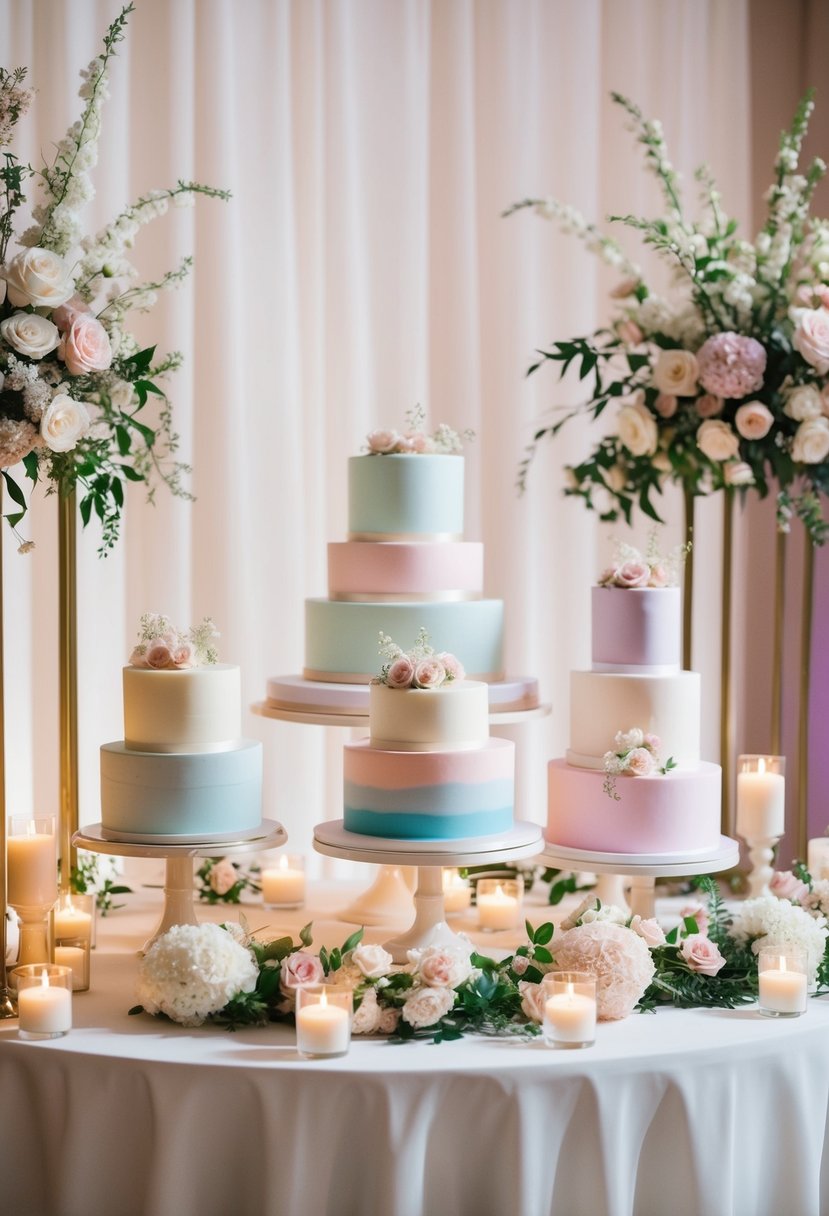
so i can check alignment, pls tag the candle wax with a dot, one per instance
(44, 1009)
(570, 1017)
(322, 1030)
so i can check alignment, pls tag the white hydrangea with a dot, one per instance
(767, 919)
(193, 971)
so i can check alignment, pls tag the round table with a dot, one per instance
(694, 1112)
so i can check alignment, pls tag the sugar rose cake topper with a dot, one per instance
(75, 384)
(632, 569)
(419, 667)
(444, 440)
(635, 753)
(162, 647)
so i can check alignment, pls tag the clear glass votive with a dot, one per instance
(44, 1000)
(761, 797)
(569, 1001)
(323, 1021)
(782, 974)
(457, 893)
(74, 953)
(283, 884)
(499, 902)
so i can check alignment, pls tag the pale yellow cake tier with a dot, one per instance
(456, 715)
(193, 710)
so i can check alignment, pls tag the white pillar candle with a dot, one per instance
(74, 957)
(497, 911)
(761, 803)
(45, 1008)
(32, 869)
(283, 886)
(72, 922)
(457, 894)
(570, 1017)
(781, 990)
(817, 857)
(323, 1029)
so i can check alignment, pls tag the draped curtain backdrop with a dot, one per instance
(362, 266)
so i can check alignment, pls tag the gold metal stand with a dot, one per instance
(688, 578)
(777, 644)
(8, 1008)
(726, 731)
(803, 708)
(68, 658)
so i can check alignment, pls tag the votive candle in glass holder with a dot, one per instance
(44, 1000)
(323, 1021)
(283, 885)
(499, 903)
(761, 797)
(782, 981)
(569, 1001)
(72, 922)
(457, 893)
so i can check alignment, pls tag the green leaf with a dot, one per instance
(135, 1009)
(543, 934)
(671, 938)
(86, 509)
(354, 940)
(530, 931)
(305, 934)
(542, 955)
(129, 472)
(690, 923)
(31, 466)
(123, 438)
(14, 490)
(117, 491)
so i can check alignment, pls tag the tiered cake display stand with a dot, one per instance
(430, 856)
(179, 908)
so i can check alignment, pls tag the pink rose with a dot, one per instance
(666, 405)
(701, 954)
(451, 665)
(406, 444)
(785, 885)
(223, 876)
(699, 912)
(85, 347)
(299, 969)
(520, 963)
(158, 655)
(429, 673)
(440, 967)
(418, 442)
(653, 742)
(659, 576)
(640, 762)
(382, 441)
(533, 1000)
(138, 658)
(754, 420)
(709, 406)
(629, 333)
(649, 930)
(633, 574)
(811, 338)
(68, 312)
(184, 655)
(823, 295)
(401, 673)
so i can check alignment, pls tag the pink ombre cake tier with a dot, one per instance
(678, 812)
(636, 629)
(405, 570)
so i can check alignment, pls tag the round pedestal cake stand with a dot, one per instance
(266, 710)
(179, 908)
(430, 856)
(641, 868)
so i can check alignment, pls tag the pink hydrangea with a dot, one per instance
(731, 365)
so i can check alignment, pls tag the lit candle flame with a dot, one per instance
(323, 998)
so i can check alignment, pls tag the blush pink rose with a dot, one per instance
(429, 673)
(184, 655)
(138, 658)
(650, 930)
(786, 885)
(158, 655)
(533, 1000)
(439, 967)
(223, 876)
(382, 441)
(451, 665)
(401, 673)
(709, 406)
(629, 333)
(666, 405)
(653, 742)
(640, 762)
(299, 969)
(700, 914)
(417, 441)
(68, 312)
(85, 346)
(701, 954)
(753, 420)
(633, 574)
(659, 576)
(811, 338)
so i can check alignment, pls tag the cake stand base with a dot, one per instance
(643, 868)
(430, 856)
(179, 908)
(388, 901)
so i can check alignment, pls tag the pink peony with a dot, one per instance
(429, 673)
(382, 441)
(619, 959)
(701, 954)
(299, 969)
(158, 655)
(442, 967)
(811, 338)
(708, 406)
(786, 885)
(754, 420)
(666, 405)
(731, 365)
(649, 930)
(85, 347)
(425, 1006)
(68, 312)
(640, 762)
(401, 673)
(700, 914)
(451, 665)
(633, 574)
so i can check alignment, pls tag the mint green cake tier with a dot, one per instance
(341, 638)
(405, 496)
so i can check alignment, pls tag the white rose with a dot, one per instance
(803, 403)
(717, 441)
(64, 422)
(121, 395)
(373, 961)
(676, 373)
(626, 740)
(811, 441)
(425, 1006)
(442, 966)
(738, 473)
(2, 290)
(367, 1017)
(811, 338)
(38, 277)
(29, 334)
(637, 430)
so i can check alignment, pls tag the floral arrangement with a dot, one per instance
(73, 381)
(222, 881)
(161, 647)
(724, 384)
(98, 875)
(635, 754)
(420, 667)
(633, 570)
(444, 441)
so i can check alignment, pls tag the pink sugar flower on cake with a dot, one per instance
(640, 762)
(451, 665)
(429, 673)
(158, 655)
(401, 673)
(382, 441)
(632, 574)
(731, 365)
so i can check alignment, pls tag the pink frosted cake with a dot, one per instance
(632, 781)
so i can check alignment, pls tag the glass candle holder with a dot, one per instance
(283, 884)
(32, 882)
(569, 1000)
(73, 920)
(323, 1021)
(761, 797)
(44, 1000)
(817, 857)
(782, 980)
(499, 902)
(457, 893)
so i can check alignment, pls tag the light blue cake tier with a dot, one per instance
(341, 639)
(405, 496)
(453, 811)
(193, 794)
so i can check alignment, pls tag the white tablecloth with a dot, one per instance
(704, 1113)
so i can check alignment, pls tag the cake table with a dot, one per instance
(178, 881)
(430, 856)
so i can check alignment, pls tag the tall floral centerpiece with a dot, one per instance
(719, 384)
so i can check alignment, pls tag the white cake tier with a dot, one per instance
(602, 703)
(428, 719)
(193, 710)
(400, 570)
(672, 813)
(636, 629)
(405, 496)
(196, 795)
(341, 639)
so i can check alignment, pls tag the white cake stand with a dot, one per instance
(644, 868)
(179, 908)
(430, 856)
(266, 710)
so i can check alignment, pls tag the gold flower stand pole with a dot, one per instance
(68, 660)
(7, 1005)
